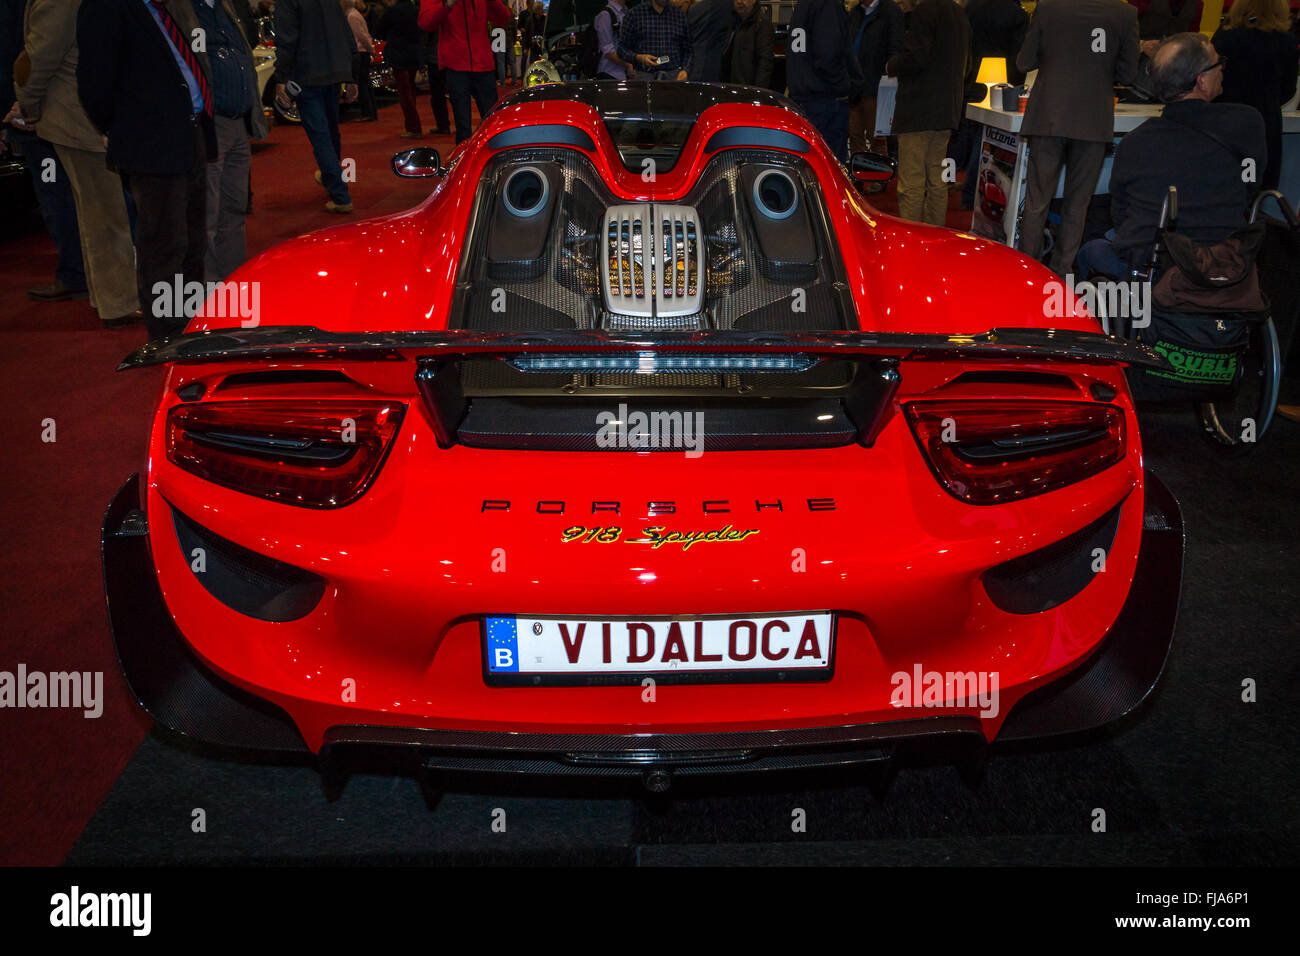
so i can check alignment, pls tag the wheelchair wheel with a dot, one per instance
(1234, 425)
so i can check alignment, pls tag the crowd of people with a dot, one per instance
(150, 133)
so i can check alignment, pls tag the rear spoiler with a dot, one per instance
(656, 351)
(867, 403)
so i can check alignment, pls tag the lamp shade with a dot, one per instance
(993, 70)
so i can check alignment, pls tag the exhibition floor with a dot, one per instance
(1197, 776)
(58, 362)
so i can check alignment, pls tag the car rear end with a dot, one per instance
(632, 508)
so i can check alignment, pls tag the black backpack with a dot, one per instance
(590, 56)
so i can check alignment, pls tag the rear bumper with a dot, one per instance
(634, 754)
(174, 687)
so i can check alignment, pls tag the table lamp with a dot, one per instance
(993, 70)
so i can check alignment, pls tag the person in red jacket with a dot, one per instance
(465, 53)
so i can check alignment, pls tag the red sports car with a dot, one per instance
(643, 445)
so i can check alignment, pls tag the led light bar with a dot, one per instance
(651, 363)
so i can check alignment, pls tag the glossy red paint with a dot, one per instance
(414, 563)
(397, 272)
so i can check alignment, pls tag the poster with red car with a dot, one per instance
(997, 175)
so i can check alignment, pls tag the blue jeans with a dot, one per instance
(830, 117)
(319, 108)
(1100, 256)
(461, 85)
(58, 208)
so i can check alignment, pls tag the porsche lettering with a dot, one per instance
(711, 506)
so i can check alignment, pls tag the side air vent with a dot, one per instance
(1050, 576)
(248, 582)
(652, 258)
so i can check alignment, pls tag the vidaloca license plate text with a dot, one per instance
(517, 649)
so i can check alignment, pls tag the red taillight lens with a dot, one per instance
(987, 453)
(314, 454)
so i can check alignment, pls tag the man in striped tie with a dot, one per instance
(148, 89)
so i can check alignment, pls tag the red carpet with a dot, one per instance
(56, 362)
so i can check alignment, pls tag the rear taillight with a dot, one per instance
(987, 453)
(313, 454)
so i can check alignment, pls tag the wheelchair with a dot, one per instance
(1228, 365)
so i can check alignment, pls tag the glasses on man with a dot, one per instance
(1221, 61)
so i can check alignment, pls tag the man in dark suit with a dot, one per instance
(822, 72)
(876, 34)
(733, 42)
(749, 57)
(709, 24)
(932, 72)
(150, 93)
(1196, 145)
(1080, 49)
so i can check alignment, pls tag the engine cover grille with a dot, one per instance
(652, 257)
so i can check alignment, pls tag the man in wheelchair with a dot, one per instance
(1211, 152)
(1184, 199)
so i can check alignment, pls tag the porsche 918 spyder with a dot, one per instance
(643, 445)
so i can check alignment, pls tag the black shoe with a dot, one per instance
(121, 320)
(440, 131)
(56, 291)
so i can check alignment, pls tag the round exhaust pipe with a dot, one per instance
(775, 194)
(525, 192)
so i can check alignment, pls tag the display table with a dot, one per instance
(1000, 192)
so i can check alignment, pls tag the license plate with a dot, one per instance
(531, 650)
